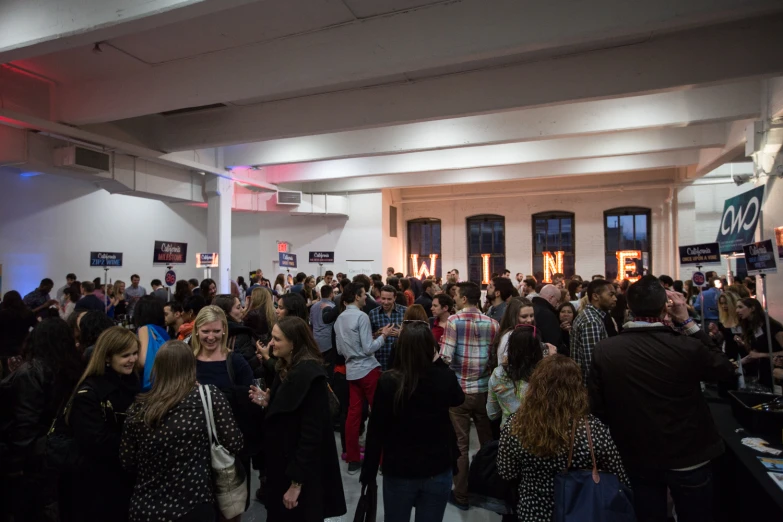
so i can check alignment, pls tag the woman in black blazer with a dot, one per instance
(303, 474)
(411, 427)
(104, 393)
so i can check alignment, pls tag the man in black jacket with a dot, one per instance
(425, 299)
(547, 318)
(645, 384)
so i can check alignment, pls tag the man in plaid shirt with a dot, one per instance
(388, 313)
(467, 341)
(589, 326)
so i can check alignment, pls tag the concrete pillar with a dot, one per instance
(220, 193)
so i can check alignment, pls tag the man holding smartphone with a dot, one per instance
(389, 313)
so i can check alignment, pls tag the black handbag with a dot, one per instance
(486, 489)
(334, 404)
(61, 453)
(368, 504)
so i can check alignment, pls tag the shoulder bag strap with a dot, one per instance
(205, 405)
(212, 416)
(571, 448)
(596, 476)
(230, 368)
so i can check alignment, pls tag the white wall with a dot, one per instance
(357, 237)
(588, 207)
(49, 225)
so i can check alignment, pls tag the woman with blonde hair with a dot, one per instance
(215, 363)
(534, 443)
(729, 324)
(260, 316)
(165, 442)
(96, 417)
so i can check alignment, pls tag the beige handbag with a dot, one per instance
(228, 475)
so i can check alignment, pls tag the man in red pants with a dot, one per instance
(353, 333)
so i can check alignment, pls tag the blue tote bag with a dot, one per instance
(583, 494)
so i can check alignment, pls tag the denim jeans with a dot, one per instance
(428, 495)
(691, 492)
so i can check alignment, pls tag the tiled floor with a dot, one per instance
(257, 513)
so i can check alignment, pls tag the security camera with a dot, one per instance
(741, 179)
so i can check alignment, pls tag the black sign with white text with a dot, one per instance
(322, 257)
(169, 253)
(704, 254)
(105, 258)
(760, 258)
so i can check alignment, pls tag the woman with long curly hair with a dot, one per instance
(535, 442)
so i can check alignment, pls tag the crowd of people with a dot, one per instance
(113, 399)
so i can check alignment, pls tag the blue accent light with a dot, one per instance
(29, 174)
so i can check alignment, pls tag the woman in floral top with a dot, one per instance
(166, 443)
(508, 382)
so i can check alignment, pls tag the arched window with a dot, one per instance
(486, 247)
(553, 245)
(424, 247)
(628, 243)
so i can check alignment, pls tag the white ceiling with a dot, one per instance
(368, 94)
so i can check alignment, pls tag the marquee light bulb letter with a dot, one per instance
(626, 263)
(553, 264)
(423, 271)
(485, 269)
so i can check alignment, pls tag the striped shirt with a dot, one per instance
(467, 341)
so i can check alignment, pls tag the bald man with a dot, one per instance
(547, 317)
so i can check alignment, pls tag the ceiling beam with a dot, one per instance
(617, 144)
(30, 29)
(419, 43)
(506, 173)
(719, 54)
(686, 107)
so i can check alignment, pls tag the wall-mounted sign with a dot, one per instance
(628, 265)
(283, 246)
(105, 258)
(760, 258)
(169, 253)
(206, 260)
(738, 222)
(171, 277)
(322, 257)
(286, 260)
(423, 270)
(704, 254)
(553, 264)
(699, 279)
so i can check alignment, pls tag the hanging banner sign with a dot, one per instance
(168, 253)
(207, 260)
(699, 279)
(760, 258)
(287, 260)
(106, 259)
(322, 257)
(738, 222)
(704, 254)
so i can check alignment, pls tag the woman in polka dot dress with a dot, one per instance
(534, 442)
(165, 442)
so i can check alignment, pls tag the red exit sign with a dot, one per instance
(282, 247)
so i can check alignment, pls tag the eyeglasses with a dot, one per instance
(528, 326)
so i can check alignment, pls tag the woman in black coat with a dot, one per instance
(303, 474)
(106, 390)
(29, 401)
(15, 323)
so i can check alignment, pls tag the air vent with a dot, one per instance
(289, 197)
(81, 158)
(189, 110)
